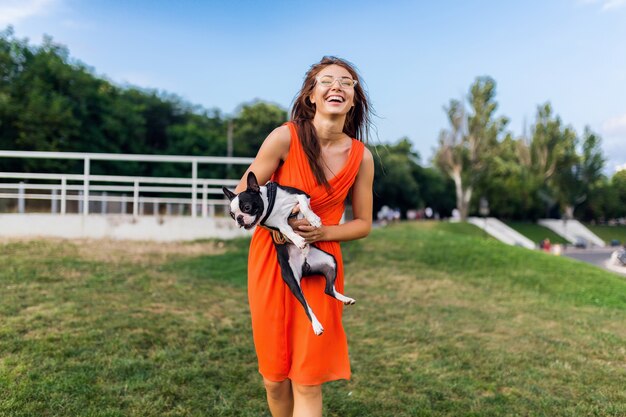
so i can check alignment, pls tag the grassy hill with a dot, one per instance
(536, 232)
(447, 323)
(608, 233)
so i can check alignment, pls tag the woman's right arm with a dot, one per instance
(273, 150)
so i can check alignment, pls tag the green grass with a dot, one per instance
(608, 233)
(536, 232)
(446, 324)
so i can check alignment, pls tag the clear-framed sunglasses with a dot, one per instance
(328, 80)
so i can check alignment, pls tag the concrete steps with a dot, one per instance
(572, 231)
(502, 232)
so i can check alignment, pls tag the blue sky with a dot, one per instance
(413, 56)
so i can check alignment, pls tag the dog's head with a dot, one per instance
(246, 208)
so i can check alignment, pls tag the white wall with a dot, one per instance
(161, 228)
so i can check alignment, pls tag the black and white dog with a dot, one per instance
(270, 206)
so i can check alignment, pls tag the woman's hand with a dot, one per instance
(312, 234)
(303, 228)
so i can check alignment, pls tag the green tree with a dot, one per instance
(251, 125)
(394, 183)
(618, 182)
(466, 148)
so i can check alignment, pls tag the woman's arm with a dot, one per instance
(273, 150)
(362, 202)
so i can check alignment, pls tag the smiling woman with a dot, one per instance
(320, 152)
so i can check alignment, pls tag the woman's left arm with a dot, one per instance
(362, 202)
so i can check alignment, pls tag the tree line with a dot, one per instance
(552, 171)
(50, 101)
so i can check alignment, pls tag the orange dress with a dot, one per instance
(285, 344)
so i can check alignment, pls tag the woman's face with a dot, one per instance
(336, 98)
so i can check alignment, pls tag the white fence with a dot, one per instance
(85, 188)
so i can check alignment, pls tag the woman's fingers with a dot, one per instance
(311, 234)
(297, 223)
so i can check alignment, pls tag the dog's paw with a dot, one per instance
(315, 221)
(349, 301)
(299, 241)
(317, 328)
(345, 300)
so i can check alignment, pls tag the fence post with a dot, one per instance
(194, 180)
(155, 207)
(136, 199)
(123, 204)
(63, 194)
(103, 203)
(204, 200)
(54, 202)
(20, 199)
(86, 187)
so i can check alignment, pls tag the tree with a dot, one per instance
(467, 146)
(394, 183)
(253, 122)
(508, 182)
(618, 181)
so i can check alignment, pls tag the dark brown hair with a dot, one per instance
(357, 123)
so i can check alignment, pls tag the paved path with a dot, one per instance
(595, 256)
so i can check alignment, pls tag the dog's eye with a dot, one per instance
(232, 215)
(246, 207)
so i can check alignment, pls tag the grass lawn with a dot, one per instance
(536, 232)
(446, 324)
(608, 233)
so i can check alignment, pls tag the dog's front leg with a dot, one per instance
(306, 211)
(295, 238)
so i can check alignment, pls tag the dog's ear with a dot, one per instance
(253, 184)
(229, 193)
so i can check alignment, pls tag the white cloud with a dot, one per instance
(613, 132)
(615, 126)
(607, 5)
(15, 11)
(613, 4)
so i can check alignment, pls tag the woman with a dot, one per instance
(317, 152)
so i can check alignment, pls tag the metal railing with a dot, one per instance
(86, 187)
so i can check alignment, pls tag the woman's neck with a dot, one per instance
(329, 130)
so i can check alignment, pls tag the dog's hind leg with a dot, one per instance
(292, 274)
(323, 263)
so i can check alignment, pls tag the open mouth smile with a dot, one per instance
(335, 99)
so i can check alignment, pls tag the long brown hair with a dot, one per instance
(357, 123)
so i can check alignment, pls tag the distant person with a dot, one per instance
(320, 151)
(546, 245)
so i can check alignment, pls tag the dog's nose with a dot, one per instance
(240, 219)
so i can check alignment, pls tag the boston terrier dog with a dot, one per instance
(271, 206)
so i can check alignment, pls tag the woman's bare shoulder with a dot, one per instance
(280, 140)
(368, 158)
